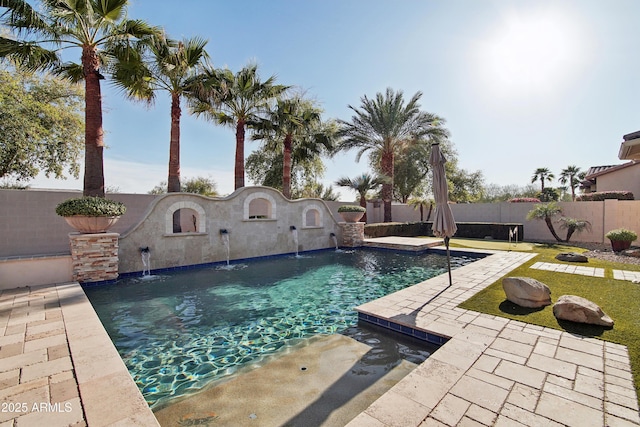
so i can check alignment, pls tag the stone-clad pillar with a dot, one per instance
(352, 234)
(94, 257)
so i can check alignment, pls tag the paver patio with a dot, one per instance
(54, 353)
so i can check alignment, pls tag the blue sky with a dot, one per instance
(522, 84)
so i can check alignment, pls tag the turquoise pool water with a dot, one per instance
(178, 331)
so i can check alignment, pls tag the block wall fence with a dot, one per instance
(30, 227)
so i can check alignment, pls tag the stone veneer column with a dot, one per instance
(94, 257)
(352, 234)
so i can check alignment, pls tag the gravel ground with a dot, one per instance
(603, 251)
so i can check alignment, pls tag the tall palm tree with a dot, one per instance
(362, 184)
(570, 175)
(294, 126)
(172, 67)
(542, 174)
(237, 100)
(98, 28)
(384, 126)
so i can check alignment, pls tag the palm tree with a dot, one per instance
(542, 174)
(99, 29)
(237, 100)
(173, 67)
(384, 126)
(573, 225)
(421, 203)
(546, 212)
(362, 184)
(570, 175)
(294, 127)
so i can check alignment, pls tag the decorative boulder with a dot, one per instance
(571, 257)
(581, 310)
(526, 292)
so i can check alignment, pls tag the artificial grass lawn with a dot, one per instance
(619, 299)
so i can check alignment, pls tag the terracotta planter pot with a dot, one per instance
(351, 216)
(91, 224)
(620, 245)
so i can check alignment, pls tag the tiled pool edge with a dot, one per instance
(405, 330)
(108, 393)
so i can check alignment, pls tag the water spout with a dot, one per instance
(335, 240)
(225, 242)
(145, 254)
(294, 232)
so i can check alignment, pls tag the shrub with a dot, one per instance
(90, 206)
(525, 200)
(549, 195)
(621, 234)
(602, 195)
(351, 208)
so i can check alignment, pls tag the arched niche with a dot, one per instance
(259, 206)
(312, 217)
(185, 217)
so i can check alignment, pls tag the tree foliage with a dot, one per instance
(265, 167)
(386, 125)
(294, 127)
(41, 125)
(546, 212)
(39, 34)
(198, 185)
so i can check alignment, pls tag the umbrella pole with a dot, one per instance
(446, 243)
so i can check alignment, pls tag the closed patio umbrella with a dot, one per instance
(444, 225)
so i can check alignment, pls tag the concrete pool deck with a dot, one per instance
(58, 366)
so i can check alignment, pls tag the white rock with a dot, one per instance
(526, 292)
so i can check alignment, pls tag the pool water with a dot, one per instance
(176, 332)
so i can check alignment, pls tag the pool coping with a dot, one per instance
(104, 383)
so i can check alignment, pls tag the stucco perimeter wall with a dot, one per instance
(29, 224)
(267, 232)
(603, 216)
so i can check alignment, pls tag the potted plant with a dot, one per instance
(91, 214)
(621, 238)
(351, 213)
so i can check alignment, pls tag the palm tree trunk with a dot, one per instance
(173, 183)
(386, 164)
(363, 203)
(286, 167)
(93, 132)
(429, 213)
(239, 166)
(570, 232)
(421, 212)
(551, 229)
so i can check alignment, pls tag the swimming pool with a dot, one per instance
(178, 331)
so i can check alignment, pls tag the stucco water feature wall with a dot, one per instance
(257, 221)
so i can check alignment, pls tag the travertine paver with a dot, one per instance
(47, 336)
(570, 269)
(492, 371)
(507, 373)
(633, 276)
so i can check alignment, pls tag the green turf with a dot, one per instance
(619, 299)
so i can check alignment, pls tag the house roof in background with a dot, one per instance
(595, 171)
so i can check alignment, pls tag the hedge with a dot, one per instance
(602, 195)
